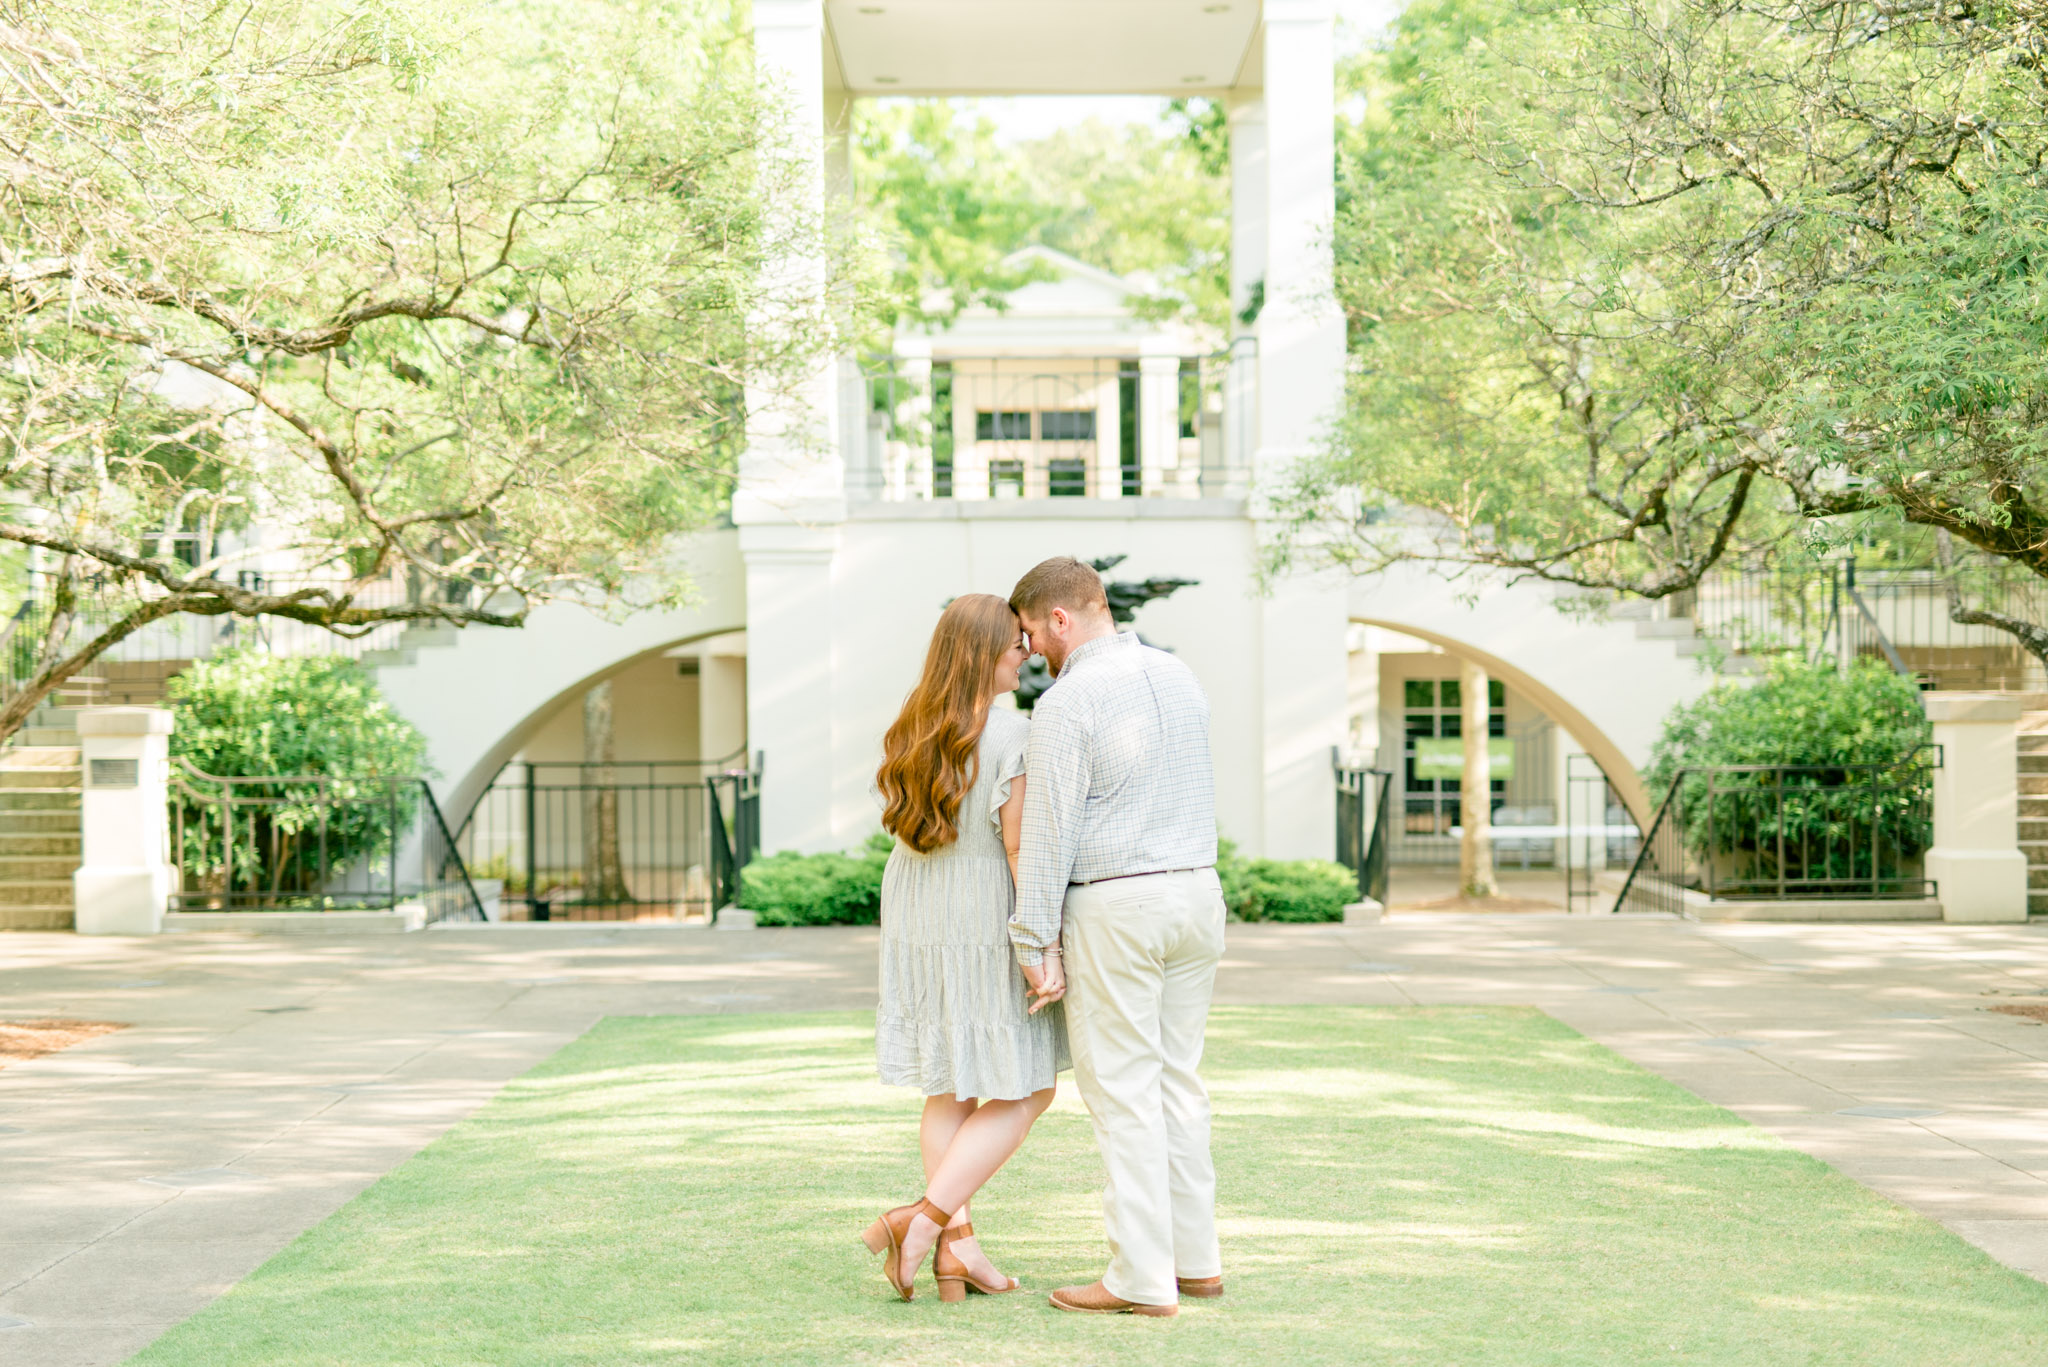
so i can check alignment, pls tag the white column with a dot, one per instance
(792, 486)
(1247, 279)
(790, 663)
(1300, 335)
(125, 880)
(1109, 432)
(1158, 419)
(1976, 863)
(794, 469)
(912, 478)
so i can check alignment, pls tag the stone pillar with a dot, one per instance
(1976, 863)
(721, 705)
(1109, 431)
(124, 883)
(910, 470)
(1158, 420)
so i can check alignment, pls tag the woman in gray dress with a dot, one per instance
(954, 1021)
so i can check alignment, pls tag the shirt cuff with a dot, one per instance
(1029, 958)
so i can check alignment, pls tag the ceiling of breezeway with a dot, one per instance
(1042, 47)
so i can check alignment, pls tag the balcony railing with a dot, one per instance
(1012, 427)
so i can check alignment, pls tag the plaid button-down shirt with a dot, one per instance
(1119, 781)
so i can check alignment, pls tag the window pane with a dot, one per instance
(1496, 693)
(1448, 691)
(1418, 693)
(1007, 426)
(1067, 426)
(1066, 478)
(1006, 479)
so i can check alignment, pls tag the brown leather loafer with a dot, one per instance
(1201, 1288)
(1096, 1300)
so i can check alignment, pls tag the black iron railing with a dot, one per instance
(1842, 611)
(1780, 832)
(1365, 806)
(629, 840)
(313, 842)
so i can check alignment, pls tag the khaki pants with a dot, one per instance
(1141, 958)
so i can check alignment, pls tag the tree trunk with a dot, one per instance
(1475, 790)
(604, 878)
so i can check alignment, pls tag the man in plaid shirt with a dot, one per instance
(1119, 912)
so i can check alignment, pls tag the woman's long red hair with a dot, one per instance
(928, 755)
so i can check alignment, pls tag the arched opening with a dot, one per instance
(1556, 774)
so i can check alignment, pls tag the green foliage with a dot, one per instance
(791, 889)
(955, 200)
(250, 714)
(1633, 288)
(472, 296)
(1283, 889)
(1827, 817)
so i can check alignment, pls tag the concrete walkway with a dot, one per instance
(265, 1081)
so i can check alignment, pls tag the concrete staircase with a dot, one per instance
(39, 835)
(2033, 761)
(1655, 621)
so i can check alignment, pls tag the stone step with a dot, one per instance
(61, 844)
(27, 868)
(2033, 744)
(40, 776)
(2033, 764)
(2033, 785)
(36, 892)
(40, 799)
(35, 918)
(49, 821)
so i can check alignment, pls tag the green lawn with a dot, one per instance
(1411, 1186)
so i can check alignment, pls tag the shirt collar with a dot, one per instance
(1101, 645)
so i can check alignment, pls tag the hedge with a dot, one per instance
(791, 889)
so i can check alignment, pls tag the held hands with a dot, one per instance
(1047, 979)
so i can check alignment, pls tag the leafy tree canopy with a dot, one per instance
(465, 296)
(1636, 286)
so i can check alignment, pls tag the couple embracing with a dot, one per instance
(1053, 888)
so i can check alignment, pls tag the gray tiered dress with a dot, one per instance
(953, 1018)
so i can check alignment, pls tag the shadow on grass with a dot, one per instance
(1398, 1185)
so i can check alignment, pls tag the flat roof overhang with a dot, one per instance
(1042, 47)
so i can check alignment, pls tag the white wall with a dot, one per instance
(898, 567)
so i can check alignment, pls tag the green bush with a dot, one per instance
(1828, 818)
(791, 889)
(247, 714)
(1283, 889)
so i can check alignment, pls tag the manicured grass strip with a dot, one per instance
(1411, 1186)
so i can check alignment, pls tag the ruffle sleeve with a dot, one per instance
(1008, 761)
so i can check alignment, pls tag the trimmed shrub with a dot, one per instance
(791, 889)
(1283, 889)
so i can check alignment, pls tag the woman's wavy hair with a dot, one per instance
(928, 755)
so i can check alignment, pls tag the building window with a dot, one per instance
(1067, 478)
(1004, 426)
(1432, 710)
(1006, 479)
(1067, 426)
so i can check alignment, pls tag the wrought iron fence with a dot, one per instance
(1004, 427)
(629, 840)
(1365, 807)
(1781, 832)
(313, 842)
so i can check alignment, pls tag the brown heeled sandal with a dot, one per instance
(887, 1233)
(955, 1281)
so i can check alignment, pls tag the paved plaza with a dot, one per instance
(263, 1081)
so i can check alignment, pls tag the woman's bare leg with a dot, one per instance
(983, 1142)
(943, 1117)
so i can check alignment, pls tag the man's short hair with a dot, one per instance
(1061, 582)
